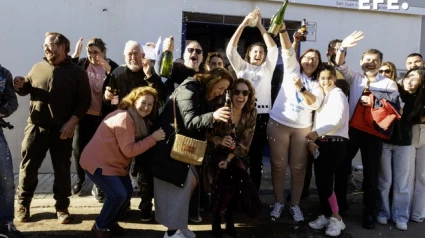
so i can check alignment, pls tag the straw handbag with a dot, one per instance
(186, 149)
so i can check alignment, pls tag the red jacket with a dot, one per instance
(377, 119)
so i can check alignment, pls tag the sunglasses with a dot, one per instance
(197, 51)
(236, 92)
(387, 71)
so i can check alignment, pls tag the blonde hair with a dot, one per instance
(129, 100)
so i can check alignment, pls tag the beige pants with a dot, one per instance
(285, 141)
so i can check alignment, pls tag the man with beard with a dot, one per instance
(370, 145)
(137, 72)
(414, 60)
(59, 98)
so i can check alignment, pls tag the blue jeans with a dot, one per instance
(118, 191)
(394, 170)
(7, 186)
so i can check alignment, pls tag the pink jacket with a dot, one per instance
(113, 145)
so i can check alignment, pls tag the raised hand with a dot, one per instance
(147, 67)
(352, 39)
(104, 63)
(78, 48)
(159, 134)
(168, 44)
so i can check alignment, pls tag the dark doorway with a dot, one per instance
(213, 32)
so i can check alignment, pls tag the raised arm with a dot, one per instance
(267, 38)
(348, 42)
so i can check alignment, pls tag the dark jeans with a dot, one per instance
(7, 186)
(256, 149)
(308, 175)
(37, 141)
(371, 149)
(83, 133)
(144, 167)
(118, 191)
(331, 155)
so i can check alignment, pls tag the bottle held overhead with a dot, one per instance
(166, 63)
(277, 20)
(304, 30)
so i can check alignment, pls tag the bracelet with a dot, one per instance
(341, 49)
(282, 31)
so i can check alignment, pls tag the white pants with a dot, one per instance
(417, 172)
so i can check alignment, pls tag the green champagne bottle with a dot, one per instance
(166, 63)
(277, 20)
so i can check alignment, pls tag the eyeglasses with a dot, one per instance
(387, 71)
(236, 92)
(308, 58)
(48, 45)
(197, 51)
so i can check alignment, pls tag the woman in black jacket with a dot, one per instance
(98, 67)
(174, 181)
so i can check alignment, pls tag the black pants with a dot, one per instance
(37, 141)
(144, 167)
(256, 149)
(371, 149)
(308, 175)
(332, 153)
(82, 135)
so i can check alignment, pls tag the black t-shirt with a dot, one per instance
(179, 73)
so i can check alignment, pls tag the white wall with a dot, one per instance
(24, 23)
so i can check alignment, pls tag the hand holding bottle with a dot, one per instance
(222, 114)
(249, 19)
(108, 94)
(365, 100)
(159, 134)
(168, 44)
(226, 141)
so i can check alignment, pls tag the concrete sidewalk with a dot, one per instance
(85, 209)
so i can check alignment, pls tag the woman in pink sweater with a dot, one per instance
(121, 136)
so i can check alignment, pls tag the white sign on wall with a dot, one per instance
(311, 31)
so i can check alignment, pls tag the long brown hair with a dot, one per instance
(208, 79)
(260, 44)
(250, 103)
(129, 100)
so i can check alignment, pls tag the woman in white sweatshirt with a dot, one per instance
(257, 67)
(290, 121)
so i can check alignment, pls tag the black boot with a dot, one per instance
(216, 226)
(230, 225)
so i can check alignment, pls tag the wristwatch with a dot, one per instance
(302, 89)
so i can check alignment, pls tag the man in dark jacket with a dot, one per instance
(59, 98)
(8, 105)
(138, 72)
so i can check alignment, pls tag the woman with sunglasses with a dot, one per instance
(98, 66)
(388, 70)
(257, 67)
(192, 60)
(214, 60)
(395, 163)
(228, 180)
(175, 182)
(290, 121)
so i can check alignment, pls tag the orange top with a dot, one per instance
(113, 145)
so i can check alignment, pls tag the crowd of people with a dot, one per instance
(318, 114)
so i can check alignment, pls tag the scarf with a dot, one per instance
(141, 128)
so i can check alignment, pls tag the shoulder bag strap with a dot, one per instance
(174, 109)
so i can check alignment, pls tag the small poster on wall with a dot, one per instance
(311, 31)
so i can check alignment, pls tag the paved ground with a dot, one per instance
(85, 209)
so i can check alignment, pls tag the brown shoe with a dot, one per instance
(63, 216)
(99, 234)
(23, 214)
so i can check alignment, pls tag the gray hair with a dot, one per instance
(131, 44)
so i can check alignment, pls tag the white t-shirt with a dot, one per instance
(332, 117)
(290, 109)
(259, 76)
(358, 82)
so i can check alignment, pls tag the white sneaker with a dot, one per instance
(188, 233)
(296, 213)
(416, 219)
(335, 227)
(320, 223)
(277, 210)
(382, 220)
(401, 225)
(178, 234)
